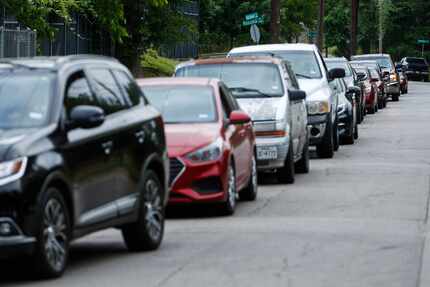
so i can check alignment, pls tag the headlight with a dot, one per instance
(315, 108)
(12, 170)
(207, 153)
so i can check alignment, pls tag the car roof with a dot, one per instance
(53, 63)
(233, 60)
(195, 81)
(336, 59)
(371, 56)
(274, 47)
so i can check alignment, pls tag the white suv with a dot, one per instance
(313, 77)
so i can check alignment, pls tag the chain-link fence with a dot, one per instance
(17, 43)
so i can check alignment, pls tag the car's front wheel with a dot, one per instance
(229, 205)
(326, 148)
(147, 233)
(52, 247)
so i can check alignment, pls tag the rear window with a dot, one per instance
(342, 65)
(25, 99)
(417, 61)
(384, 62)
(183, 104)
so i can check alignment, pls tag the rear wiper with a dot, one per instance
(245, 90)
(303, 76)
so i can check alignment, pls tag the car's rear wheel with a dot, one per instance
(147, 233)
(336, 136)
(326, 148)
(302, 166)
(52, 247)
(250, 192)
(380, 104)
(286, 174)
(356, 131)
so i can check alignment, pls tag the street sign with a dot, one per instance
(251, 16)
(255, 34)
(423, 41)
(259, 20)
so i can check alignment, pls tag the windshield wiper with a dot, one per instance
(303, 76)
(247, 90)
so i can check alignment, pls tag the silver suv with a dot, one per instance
(267, 89)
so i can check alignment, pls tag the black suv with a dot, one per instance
(80, 150)
(415, 68)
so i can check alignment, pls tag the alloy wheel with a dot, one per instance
(231, 187)
(153, 209)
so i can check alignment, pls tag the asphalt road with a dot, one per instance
(360, 219)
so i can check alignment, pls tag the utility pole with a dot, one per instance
(320, 40)
(275, 21)
(354, 25)
(381, 24)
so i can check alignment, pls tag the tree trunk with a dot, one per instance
(354, 24)
(320, 40)
(275, 22)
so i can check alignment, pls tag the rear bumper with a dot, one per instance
(280, 144)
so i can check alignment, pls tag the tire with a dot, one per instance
(349, 139)
(381, 104)
(228, 207)
(147, 232)
(302, 166)
(326, 148)
(371, 111)
(336, 138)
(403, 91)
(250, 192)
(286, 174)
(356, 132)
(385, 103)
(395, 97)
(52, 245)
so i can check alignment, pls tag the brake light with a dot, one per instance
(276, 134)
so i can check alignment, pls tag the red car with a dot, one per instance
(370, 88)
(211, 142)
(380, 87)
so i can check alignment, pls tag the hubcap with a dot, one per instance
(154, 211)
(54, 234)
(231, 187)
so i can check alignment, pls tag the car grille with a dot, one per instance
(176, 167)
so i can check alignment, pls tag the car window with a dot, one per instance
(339, 64)
(107, 91)
(78, 92)
(130, 89)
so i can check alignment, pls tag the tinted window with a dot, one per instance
(417, 61)
(261, 77)
(78, 92)
(342, 65)
(130, 89)
(107, 91)
(384, 62)
(25, 100)
(183, 104)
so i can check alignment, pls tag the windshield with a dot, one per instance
(341, 65)
(183, 104)
(384, 62)
(245, 79)
(24, 100)
(418, 61)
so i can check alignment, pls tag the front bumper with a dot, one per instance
(15, 243)
(280, 145)
(200, 183)
(317, 125)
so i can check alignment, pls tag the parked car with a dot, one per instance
(268, 91)
(375, 65)
(375, 78)
(415, 68)
(211, 142)
(346, 112)
(370, 88)
(389, 71)
(313, 77)
(80, 150)
(354, 86)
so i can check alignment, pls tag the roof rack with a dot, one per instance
(85, 57)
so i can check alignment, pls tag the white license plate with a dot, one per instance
(265, 153)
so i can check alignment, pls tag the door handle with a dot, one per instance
(107, 147)
(140, 135)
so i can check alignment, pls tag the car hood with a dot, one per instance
(316, 89)
(264, 109)
(185, 138)
(11, 137)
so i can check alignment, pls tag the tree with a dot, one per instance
(337, 26)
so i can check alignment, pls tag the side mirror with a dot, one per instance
(239, 117)
(296, 95)
(86, 117)
(336, 73)
(361, 76)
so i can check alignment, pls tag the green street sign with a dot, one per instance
(251, 16)
(259, 20)
(422, 41)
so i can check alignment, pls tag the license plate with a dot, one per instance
(265, 153)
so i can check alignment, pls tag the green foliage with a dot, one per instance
(337, 26)
(296, 15)
(156, 66)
